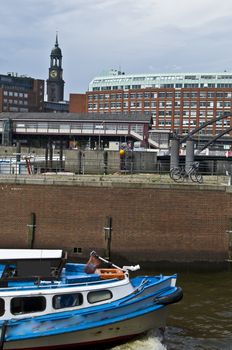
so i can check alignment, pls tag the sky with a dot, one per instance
(136, 36)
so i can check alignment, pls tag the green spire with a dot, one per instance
(56, 44)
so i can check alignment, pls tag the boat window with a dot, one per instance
(2, 306)
(67, 300)
(100, 295)
(24, 305)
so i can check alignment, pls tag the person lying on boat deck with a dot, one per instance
(92, 264)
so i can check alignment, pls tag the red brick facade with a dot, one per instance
(77, 103)
(172, 109)
(149, 224)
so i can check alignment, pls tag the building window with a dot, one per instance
(190, 85)
(153, 95)
(136, 86)
(105, 88)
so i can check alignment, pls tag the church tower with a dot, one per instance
(55, 82)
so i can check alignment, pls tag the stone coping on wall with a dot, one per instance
(117, 180)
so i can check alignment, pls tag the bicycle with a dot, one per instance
(179, 174)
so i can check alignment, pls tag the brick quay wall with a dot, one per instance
(151, 222)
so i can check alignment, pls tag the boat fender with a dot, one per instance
(131, 268)
(171, 298)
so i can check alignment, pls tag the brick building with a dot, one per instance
(176, 101)
(21, 94)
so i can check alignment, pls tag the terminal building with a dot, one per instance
(178, 102)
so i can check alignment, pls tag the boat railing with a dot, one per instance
(56, 284)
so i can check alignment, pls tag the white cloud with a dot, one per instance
(139, 36)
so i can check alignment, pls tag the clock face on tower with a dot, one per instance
(53, 73)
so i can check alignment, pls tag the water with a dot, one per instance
(201, 321)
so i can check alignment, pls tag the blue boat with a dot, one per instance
(47, 302)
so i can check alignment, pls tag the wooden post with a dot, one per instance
(31, 231)
(105, 156)
(108, 236)
(229, 232)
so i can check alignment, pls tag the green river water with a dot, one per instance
(201, 321)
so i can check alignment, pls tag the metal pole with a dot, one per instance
(50, 155)
(189, 155)
(18, 158)
(174, 161)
